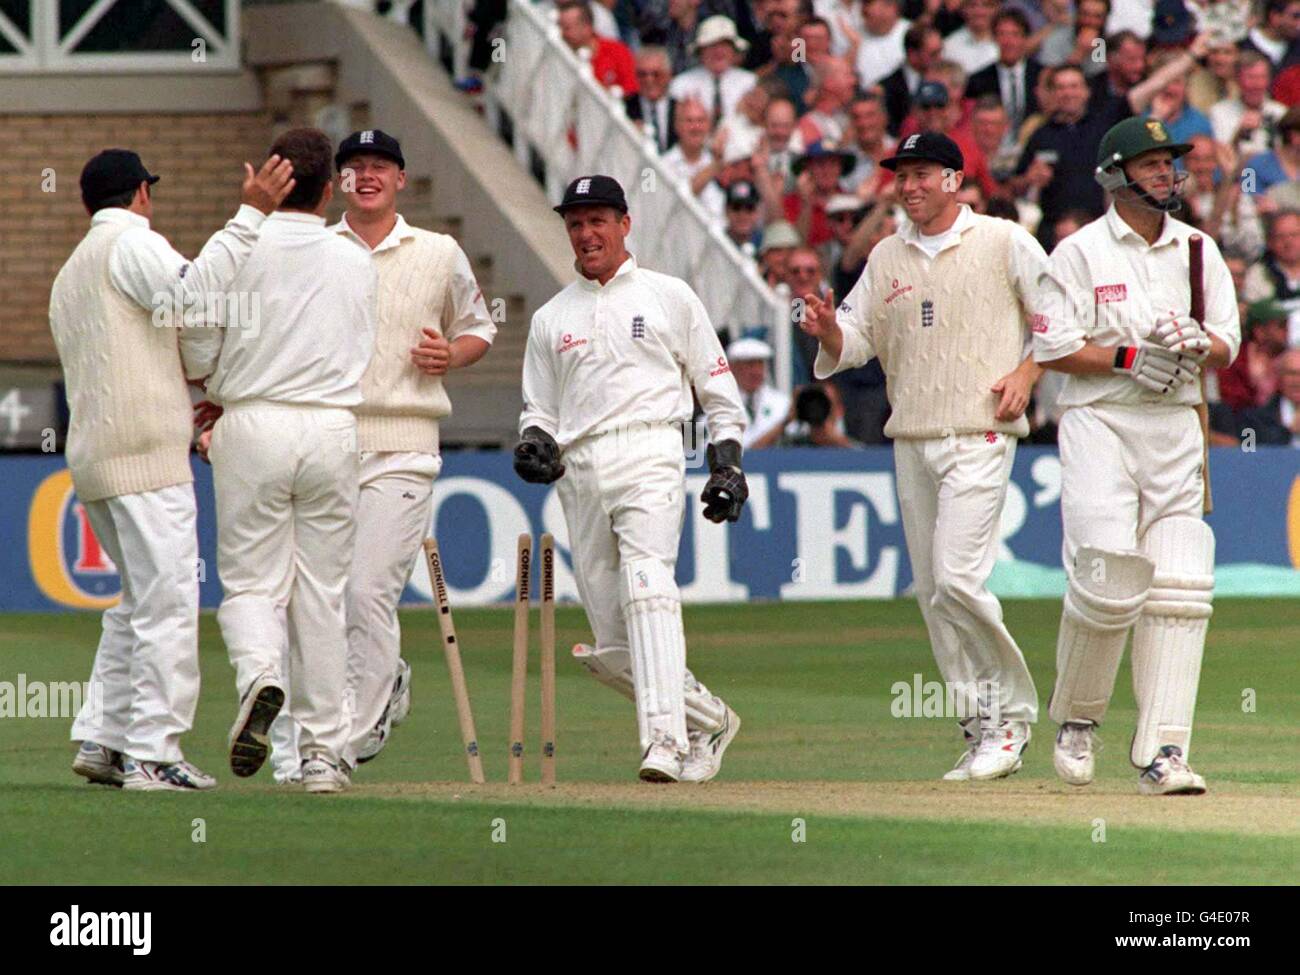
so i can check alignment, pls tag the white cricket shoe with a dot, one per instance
(999, 751)
(99, 764)
(1170, 775)
(399, 703)
(375, 740)
(1073, 755)
(662, 761)
(140, 776)
(250, 735)
(398, 707)
(321, 775)
(961, 771)
(704, 760)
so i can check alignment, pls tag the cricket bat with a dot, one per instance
(1196, 276)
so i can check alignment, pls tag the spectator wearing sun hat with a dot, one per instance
(818, 173)
(718, 83)
(767, 408)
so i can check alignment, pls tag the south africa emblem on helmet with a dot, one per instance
(927, 313)
(1157, 130)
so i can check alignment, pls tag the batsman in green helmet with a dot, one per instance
(1147, 304)
(1131, 164)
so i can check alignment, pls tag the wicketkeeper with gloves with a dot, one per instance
(608, 373)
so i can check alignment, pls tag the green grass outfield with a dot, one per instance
(822, 785)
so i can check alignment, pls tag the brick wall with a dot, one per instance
(200, 159)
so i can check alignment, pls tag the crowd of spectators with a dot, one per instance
(777, 114)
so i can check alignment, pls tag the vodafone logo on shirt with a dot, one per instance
(1106, 293)
(721, 367)
(899, 289)
(568, 343)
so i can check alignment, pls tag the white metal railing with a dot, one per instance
(51, 44)
(558, 111)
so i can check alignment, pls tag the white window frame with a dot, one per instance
(48, 53)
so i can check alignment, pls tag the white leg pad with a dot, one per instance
(612, 666)
(653, 611)
(1104, 597)
(1170, 637)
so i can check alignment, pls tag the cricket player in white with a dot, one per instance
(285, 467)
(116, 310)
(431, 319)
(1137, 552)
(608, 372)
(944, 303)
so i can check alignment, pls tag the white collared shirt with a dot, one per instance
(312, 329)
(682, 169)
(603, 357)
(766, 409)
(466, 312)
(149, 271)
(1116, 286)
(698, 83)
(1028, 264)
(880, 55)
(968, 51)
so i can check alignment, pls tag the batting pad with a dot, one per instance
(653, 611)
(612, 666)
(1170, 636)
(1103, 598)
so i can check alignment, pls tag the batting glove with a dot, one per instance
(1184, 335)
(537, 457)
(1156, 368)
(725, 493)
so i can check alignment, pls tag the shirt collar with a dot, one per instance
(401, 231)
(912, 235)
(1119, 230)
(627, 267)
(296, 216)
(119, 215)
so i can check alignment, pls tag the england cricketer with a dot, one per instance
(285, 469)
(944, 303)
(608, 373)
(431, 319)
(118, 311)
(1137, 552)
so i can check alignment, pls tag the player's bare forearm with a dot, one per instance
(467, 350)
(832, 342)
(1220, 355)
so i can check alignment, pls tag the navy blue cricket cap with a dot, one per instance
(930, 146)
(111, 172)
(593, 191)
(374, 141)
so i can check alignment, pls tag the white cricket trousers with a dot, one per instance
(393, 511)
(623, 496)
(145, 679)
(286, 486)
(950, 492)
(1123, 468)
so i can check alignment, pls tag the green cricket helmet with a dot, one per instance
(1128, 140)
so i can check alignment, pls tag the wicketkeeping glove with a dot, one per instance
(537, 457)
(1179, 333)
(1154, 367)
(727, 490)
